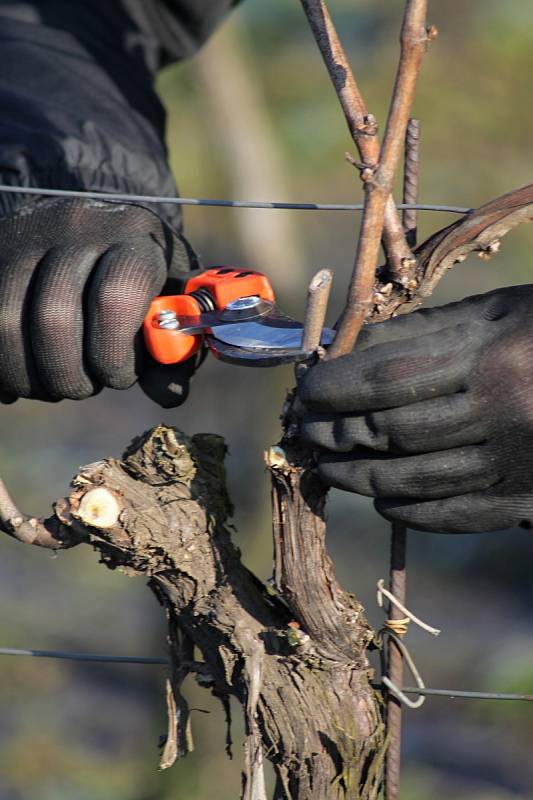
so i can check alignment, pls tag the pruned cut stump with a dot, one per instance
(99, 508)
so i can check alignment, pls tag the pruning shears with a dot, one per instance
(231, 311)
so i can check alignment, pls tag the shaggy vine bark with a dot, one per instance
(296, 665)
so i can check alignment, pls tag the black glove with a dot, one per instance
(433, 415)
(76, 280)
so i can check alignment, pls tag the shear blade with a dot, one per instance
(268, 334)
(191, 325)
(273, 340)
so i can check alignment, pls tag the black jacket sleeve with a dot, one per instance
(79, 109)
(179, 26)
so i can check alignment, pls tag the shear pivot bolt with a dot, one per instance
(168, 320)
(244, 303)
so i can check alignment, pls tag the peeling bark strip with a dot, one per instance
(479, 232)
(292, 656)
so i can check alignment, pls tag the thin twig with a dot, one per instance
(361, 124)
(48, 533)
(414, 38)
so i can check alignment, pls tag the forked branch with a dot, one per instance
(414, 39)
(49, 533)
(362, 125)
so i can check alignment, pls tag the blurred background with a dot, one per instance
(254, 117)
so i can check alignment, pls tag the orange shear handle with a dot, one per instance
(221, 285)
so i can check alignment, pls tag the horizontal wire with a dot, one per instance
(68, 656)
(197, 201)
(467, 695)
(11, 651)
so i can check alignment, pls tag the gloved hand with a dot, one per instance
(76, 281)
(432, 415)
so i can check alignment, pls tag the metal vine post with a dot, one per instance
(398, 547)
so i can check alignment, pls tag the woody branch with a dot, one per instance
(361, 124)
(378, 184)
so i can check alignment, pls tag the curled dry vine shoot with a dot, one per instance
(292, 654)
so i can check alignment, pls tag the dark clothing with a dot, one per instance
(79, 110)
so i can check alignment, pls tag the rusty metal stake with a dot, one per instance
(410, 179)
(395, 663)
(398, 530)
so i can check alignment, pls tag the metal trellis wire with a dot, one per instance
(198, 201)
(154, 661)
